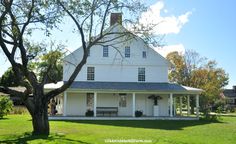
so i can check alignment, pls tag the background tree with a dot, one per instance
(5, 106)
(192, 70)
(9, 79)
(19, 19)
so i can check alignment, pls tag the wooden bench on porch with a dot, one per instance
(107, 110)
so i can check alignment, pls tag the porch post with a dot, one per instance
(197, 105)
(188, 105)
(181, 104)
(133, 105)
(64, 103)
(171, 105)
(174, 106)
(95, 104)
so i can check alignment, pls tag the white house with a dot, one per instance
(120, 78)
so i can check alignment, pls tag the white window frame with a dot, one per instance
(105, 51)
(144, 54)
(141, 74)
(90, 73)
(127, 52)
(123, 100)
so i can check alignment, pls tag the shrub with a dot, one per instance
(138, 113)
(5, 106)
(89, 113)
(208, 116)
(19, 110)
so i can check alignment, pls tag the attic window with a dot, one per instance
(105, 51)
(144, 54)
(127, 52)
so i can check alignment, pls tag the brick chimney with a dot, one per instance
(115, 18)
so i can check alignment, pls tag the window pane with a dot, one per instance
(127, 52)
(122, 102)
(141, 74)
(90, 100)
(144, 54)
(90, 73)
(105, 51)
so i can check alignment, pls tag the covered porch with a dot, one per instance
(128, 98)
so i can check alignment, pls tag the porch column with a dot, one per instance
(64, 103)
(181, 104)
(95, 104)
(133, 105)
(197, 106)
(174, 106)
(188, 105)
(171, 105)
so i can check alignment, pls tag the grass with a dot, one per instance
(17, 128)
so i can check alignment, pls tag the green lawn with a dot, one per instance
(17, 128)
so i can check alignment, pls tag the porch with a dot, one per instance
(122, 118)
(128, 98)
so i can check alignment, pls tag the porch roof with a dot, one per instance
(128, 86)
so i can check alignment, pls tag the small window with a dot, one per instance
(144, 54)
(105, 51)
(90, 73)
(127, 52)
(88, 52)
(123, 100)
(141, 74)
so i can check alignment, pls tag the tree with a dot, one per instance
(5, 106)
(53, 58)
(19, 19)
(192, 70)
(9, 79)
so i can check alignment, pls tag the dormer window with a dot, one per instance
(105, 51)
(127, 52)
(144, 54)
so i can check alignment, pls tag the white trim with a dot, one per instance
(188, 105)
(181, 105)
(120, 118)
(174, 106)
(133, 105)
(64, 103)
(197, 106)
(171, 104)
(95, 104)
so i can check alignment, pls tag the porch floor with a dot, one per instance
(120, 118)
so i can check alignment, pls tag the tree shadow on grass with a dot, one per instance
(4, 118)
(147, 124)
(26, 137)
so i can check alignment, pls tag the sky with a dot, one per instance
(205, 26)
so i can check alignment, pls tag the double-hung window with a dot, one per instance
(90, 73)
(127, 52)
(105, 51)
(123, 100)
(144, 54)
(141, 74)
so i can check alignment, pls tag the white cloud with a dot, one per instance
(164, 25)
(164, 51)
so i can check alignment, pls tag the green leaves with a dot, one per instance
(5, 106)
(195, 71)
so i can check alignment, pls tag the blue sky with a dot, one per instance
(210, 30)
(206, 26)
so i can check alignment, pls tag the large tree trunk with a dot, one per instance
(40, 121)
